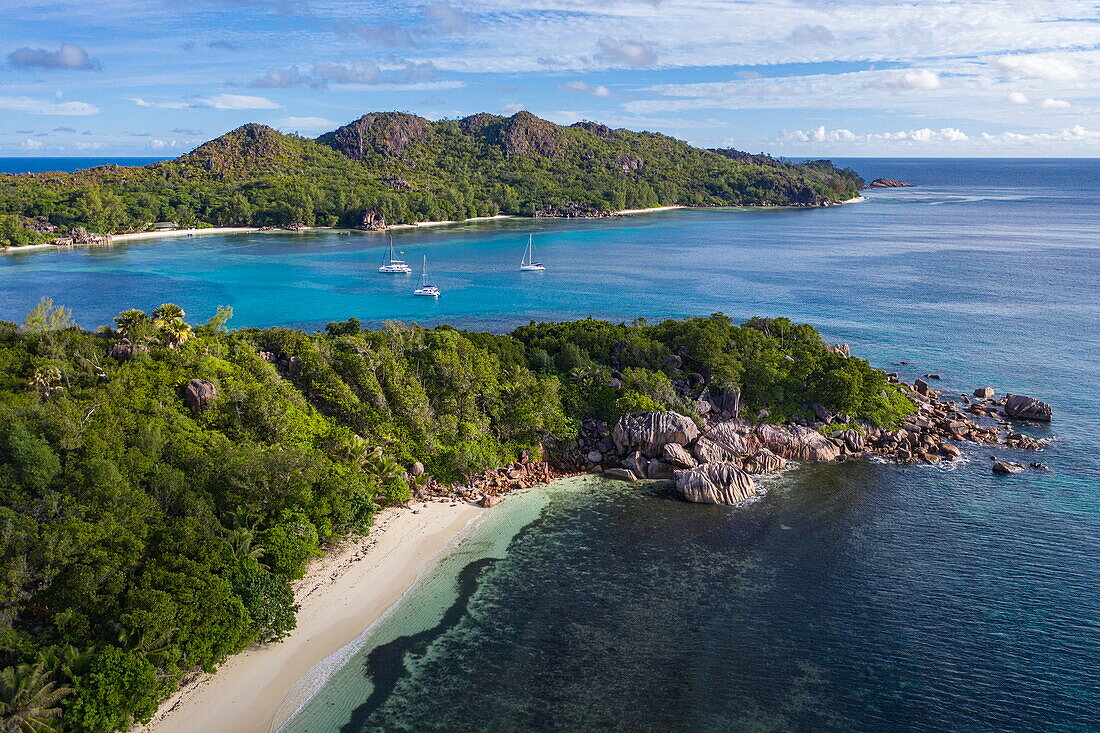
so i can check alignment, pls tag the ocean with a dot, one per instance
(858, 596)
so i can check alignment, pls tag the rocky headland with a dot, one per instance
(715, 462)
(888, 183)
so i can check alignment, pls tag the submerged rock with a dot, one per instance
(715, 483)
(1006, 467)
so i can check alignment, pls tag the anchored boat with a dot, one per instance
(426, 288)
(393, 265)
(528, 264)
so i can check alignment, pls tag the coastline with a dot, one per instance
(142, 236)
(342, 594)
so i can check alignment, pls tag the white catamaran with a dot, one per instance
(393, 265)
(528, 264)
(425, 288)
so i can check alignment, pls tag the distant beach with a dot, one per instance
(342, 595)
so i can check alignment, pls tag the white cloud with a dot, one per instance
(42, 107)
(160, 105)
(307, 123)
(1017, 98)
(626, 53)
(1036, 66)
(29, 144)
(218, 101)
(946, 140)
(158, 144)
(511, 108)
(1049, 103)
(1075, 134)
(842, 135)
(69, 56)
(238, 101)
(913, 80)
(586, 88)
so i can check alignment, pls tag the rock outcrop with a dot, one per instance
(715, 483)
(762, 461)
(796, 442)
(676, 455)
(389, 134)
(198, 394)
(1026, 408)
(648, 432)
(124, 349)
(888, 183)
(372, 220)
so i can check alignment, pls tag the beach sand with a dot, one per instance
(341, 595)
(627, 212)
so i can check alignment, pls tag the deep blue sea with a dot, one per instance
(43, 165)
(857, 596)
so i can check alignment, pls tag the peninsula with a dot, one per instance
(396, 168)
(164, 485)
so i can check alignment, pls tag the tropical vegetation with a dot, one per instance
(146, 533)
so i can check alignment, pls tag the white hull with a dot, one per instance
(429, 292)
(528, 264)
(396, 269)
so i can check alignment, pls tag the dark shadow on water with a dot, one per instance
(386, 665)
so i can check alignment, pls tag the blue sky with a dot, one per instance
(791, 77)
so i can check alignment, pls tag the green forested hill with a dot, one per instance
(148, 527)
(411, 169)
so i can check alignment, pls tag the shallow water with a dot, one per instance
(860, 596)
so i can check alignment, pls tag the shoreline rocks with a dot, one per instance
(715, 483)
(1026, 408)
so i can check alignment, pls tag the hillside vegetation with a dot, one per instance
(406, 169)
(148, 529)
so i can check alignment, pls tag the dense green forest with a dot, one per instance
(406, 169)
(149, 528)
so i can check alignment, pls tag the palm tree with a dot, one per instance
(241, 543)
(168, 317)
(383, 468)
(175, 333)
(128, 320)
(168, 312)
(29, 699)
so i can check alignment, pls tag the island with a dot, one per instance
(396, 168)
(164, 484)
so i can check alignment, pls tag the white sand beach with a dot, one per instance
(137, 236)
(627, 212)
(341, 595)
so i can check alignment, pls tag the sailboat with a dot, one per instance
(528, 264)
(393, 265)
(426, 289)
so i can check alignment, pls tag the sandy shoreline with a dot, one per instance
(341, 595)
(628, 212)
(141, 236)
